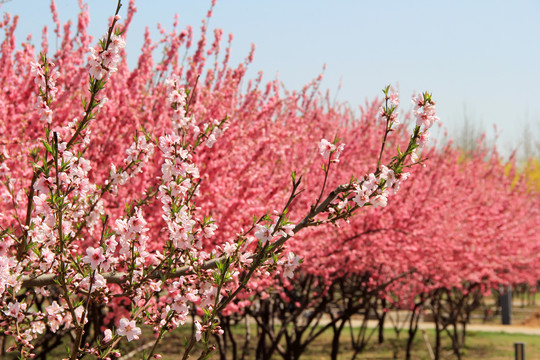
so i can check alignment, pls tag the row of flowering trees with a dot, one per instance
(112, 214)
(151, 195)
(470, 228)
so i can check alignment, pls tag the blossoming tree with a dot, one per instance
(101, 220)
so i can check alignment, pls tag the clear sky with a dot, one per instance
(479, 58)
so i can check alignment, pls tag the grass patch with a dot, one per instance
(479, 345)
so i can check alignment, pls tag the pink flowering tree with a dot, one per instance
(327, 250)
(106, 213)
(438, 251)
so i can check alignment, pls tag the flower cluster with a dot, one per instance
(290, 263)
(104, 62)
(387, 112)
(45, 75)
(376, 189)
(424, 112)
(177, 193)
(177, 99)
(268, 232)
(326, 148)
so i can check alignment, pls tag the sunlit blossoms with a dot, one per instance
(424, 111)
(104, 62)
(45, 76)
(130, 204)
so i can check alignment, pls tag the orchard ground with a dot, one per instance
(485, 339)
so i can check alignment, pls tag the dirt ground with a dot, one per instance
(533, 320)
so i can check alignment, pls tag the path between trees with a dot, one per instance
(510, 329)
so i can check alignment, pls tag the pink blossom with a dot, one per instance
(108, 335)
(38, 327)
(208, 297)
(118, 42)
(362, 196)
(99, 282)
(198, 330)
(229, 249)
(263, 233)
(94, 257)
(288, 230)
(156, 285)
(96, 70)
(394, 98)
(292, 262)
(325, 148)
(418, 101)
(209, 230)
(424, 119)
(388, 175)
(424, 138)
(191, 296)
(245, 258)
(16, 309)
(379, 200)
(128, 329)
(414, 156)
(54, 309)
(337, 152)
(54, 316)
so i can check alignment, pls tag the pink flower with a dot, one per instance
(379, 200)
(118, 42)
(109, 58)
(209, 230)
(263, 233)
(229, 249)
(414, 156)
(418, 101)
(425, 119)
(291, 264)
(288, 229)
(54, 309)
(338, 151)
(423, 138)
(96, 70)
(361, 196)
(388, 175)
(325, 148)
(94, 257)
(191, 296)
(394, 99)
(198, 331)
(128, 329)
(245, 258)
(54, 316)
(108, 335)
(99, 282)
(16, 310)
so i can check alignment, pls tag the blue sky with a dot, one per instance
(480, 59)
